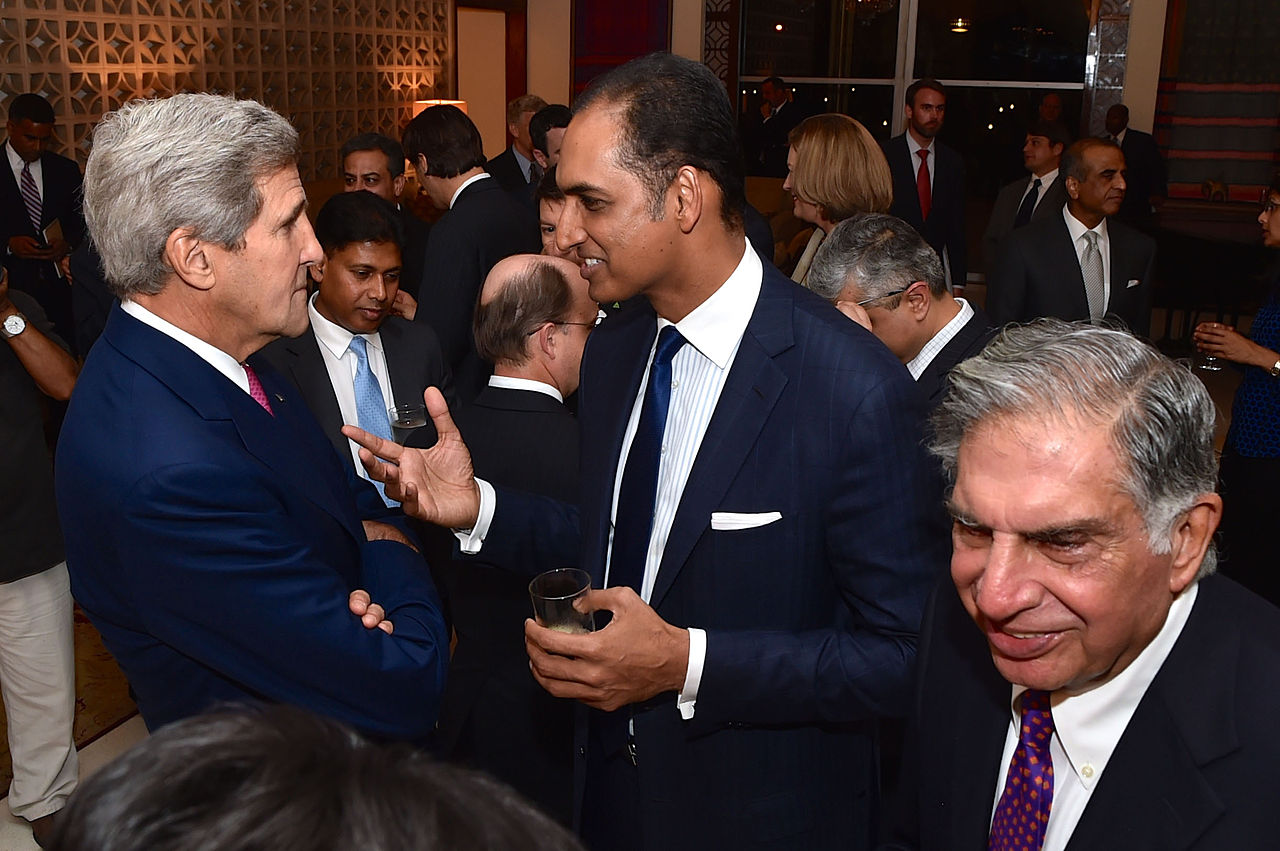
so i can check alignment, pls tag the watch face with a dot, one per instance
(14, 324)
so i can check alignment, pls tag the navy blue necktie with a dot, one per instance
(634, 520)
(1028, 205)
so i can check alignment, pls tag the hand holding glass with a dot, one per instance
(553, 594)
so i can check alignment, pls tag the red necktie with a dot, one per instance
(1023, 812)
(255, 389)
(922, 184)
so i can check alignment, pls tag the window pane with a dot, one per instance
(819, 38)
(1003, 40)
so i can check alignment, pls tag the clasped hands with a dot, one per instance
(638, 655)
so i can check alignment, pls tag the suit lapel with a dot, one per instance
(404, 370)
(307, 369)
(1153, 785)
(619, 359)
(752, 389)
(1062, 255)
(288, 444)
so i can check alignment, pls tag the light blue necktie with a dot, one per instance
(371, 408)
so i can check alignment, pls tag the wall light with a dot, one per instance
(419, 105)
(960, 25)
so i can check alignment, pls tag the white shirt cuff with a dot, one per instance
(687, 702)
(471, 540)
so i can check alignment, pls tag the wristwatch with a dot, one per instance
(1275, 369)
(16, 323)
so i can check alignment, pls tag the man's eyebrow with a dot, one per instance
(584, 189)
(297, 211)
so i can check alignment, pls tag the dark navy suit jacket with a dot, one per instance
(811, 619)
(214, 546)
(944, 229)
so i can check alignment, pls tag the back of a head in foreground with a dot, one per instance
(280, 779)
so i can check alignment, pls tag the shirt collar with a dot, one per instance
(511, 382)
(470, 180)
(1089, 723)
(524, 164)
(918, 364)
(913, 145)
(1045, 179)
(1076, 228)
(333, 336)
(207, 352)
(16, 162)
(1120, 136)
(716, 326)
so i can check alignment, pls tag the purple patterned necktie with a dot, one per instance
(30, 196)
(255, 389)
(1023, 812)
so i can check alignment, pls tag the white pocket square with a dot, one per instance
(731, 520)
(1132, 283)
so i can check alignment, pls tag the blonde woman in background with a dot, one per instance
(835, 170)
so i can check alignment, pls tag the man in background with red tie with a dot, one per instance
(211, 533)
(1114, 694)
(40, 218)
(928, 179)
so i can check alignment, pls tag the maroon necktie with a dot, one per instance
(255, 389)
(1023, 812)
(922, 184)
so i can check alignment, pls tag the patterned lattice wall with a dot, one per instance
(334, 67)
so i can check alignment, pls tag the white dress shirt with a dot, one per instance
(1077, 230)
(341, 364)
(215, 357)
(918, 364)
(16, 163)
(511, 382)
(1046, 180)
(713, 331)
(1087, 726)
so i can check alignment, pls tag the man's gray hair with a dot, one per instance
(1160, 416)
(877, 252)
(187, 161)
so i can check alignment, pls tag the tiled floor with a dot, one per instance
(15, 834)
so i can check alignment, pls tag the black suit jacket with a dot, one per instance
(414, 254)
(1145, 176)
(970, 340)
(506, 170)
(772, 140)
(414, 363)
(61, 202)
(1006, 210)
(494, 716)
(1037, 274)
(945, 228)
(1193, 770)
(485, 225)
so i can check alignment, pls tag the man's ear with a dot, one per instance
(691, 196)
(421, 162)
(545, 339)
(514, 130)
(317, 270)
(1073, 188)
(1191, 538)
(397, 184)
(918, 299)
(190, 258)
(541, 159)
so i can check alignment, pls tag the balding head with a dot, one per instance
(533, 319)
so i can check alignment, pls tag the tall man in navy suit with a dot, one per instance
(38, 189)
(481, 225)
(765, 553)
(1082, 263)
(211, 533)
(928, 179)
(880, 273)
(1084, 682)
(516, 168)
